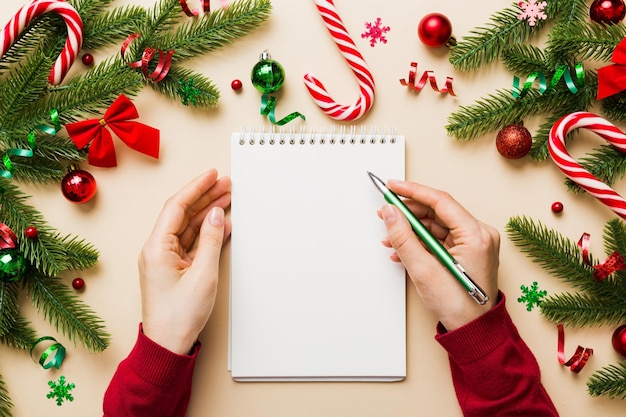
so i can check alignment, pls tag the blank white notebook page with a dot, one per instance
(314, 295)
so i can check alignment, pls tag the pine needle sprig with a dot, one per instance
(204, 93)
(107, 29)
(90, 7)
(5, 402)
(487, 43)
(524, 59)
(556, 254)
(218, 28)
(67, 312)
(609, 381)
(9, 306)
(163, 17)
(585, 41)
(614, 236)
(580, 310)
(22, 335)
(614, 107)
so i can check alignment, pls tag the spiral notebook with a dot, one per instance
(313, 293)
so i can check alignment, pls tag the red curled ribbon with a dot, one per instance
(612, 78)
(118, 117)
(580, 357)
(427, 76)
(615, 262)
(206, 7)
(164, 62)
(8, 239)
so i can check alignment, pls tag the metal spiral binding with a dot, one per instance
(290, 136)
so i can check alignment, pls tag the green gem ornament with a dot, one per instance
(12, 265)
(267, 75)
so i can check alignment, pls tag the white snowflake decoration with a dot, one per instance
(532, 11)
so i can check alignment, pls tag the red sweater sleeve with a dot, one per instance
(493, 371)
(151, 381)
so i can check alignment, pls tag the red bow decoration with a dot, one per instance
(612, 78)
(118, 117)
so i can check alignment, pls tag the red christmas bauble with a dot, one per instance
(607, 11)
(78, 283)
(514, 141)
(31, 232)
(78, 186)
(619, 340)
(434, 30)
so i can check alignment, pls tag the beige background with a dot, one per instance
(129, 197)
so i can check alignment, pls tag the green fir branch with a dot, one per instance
(539, 150)
(486, 44)
(218, 28)
(582, 310)
(524, 59)
(90, 7)
(163, 17)
(558, 255)
(609, 381)
(21, 336)
(586, 41)
(9, 307)
(5, 401)
(107, 29)
(614, 107)
(614, 236)
(67, 313)
(205, 93)
(606, 163)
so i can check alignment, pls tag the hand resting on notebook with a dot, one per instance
(472, 243)
(178, 265)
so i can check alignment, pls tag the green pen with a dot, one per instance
(432, 243)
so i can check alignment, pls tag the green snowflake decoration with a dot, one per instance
(61, 390)
(531, 296)
(188, 92)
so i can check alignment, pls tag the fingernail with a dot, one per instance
(216, 217)
(389, 214)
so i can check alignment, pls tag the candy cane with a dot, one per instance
(573, 170)
(355, 61)
(36, 8)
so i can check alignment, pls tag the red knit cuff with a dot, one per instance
(480, 336)
(158, 365)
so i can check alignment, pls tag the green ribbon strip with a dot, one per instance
(561, 72)
(56, 353)
(268, 107)
(28, 153)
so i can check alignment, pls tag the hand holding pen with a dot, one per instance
(470, 242)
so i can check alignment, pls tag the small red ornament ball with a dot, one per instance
(31, 232)
(514, 141)
(434, 30)
(78, 284)
(618, 340)
(607, 11)
(236, 85)
(557, 207)
(87, 60)
(78, 186)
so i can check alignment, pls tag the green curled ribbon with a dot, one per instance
(268, 108)
(28, 153)
(56, 353)
(561, 72)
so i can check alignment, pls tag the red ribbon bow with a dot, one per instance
(612, 78)
(118, 117)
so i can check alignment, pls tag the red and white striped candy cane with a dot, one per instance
(573, 170)
(74, 32)
(355, 61)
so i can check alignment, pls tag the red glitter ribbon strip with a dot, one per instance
(580, 358)
(428, 76)
(206, 8)
(164, 62)
(615, 262)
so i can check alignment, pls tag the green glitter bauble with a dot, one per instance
(12, 265)
(267, 75)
